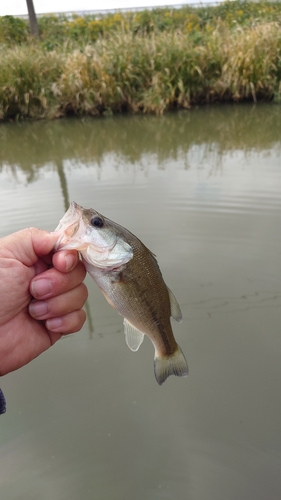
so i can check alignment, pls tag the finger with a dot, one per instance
(70, 323)
(60, 305)
(52, 283)
(65, 260)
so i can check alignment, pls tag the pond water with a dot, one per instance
(87, 420)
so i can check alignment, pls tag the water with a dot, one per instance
(87, 419)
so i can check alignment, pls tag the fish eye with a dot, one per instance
(97, 221)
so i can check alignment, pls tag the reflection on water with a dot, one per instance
(213, 132)
(87, 420)
(206, 309)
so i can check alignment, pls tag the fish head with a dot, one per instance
(94, 236)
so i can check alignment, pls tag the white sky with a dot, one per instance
(16, 7)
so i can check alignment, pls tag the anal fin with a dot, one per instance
(134, 337)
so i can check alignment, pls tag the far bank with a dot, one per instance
(147, 70)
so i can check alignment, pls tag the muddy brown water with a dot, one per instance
(87, 420)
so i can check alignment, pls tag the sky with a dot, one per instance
(17, 7)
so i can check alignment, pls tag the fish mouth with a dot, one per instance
(68, 227)
(65, 237)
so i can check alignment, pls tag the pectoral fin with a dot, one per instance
(134, 337)
(121, 254)
(175, 308)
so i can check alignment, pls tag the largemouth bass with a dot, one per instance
(129, 277)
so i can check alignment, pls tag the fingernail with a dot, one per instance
(38, 309)
(70, 260)
(54, 323)
(40, 287)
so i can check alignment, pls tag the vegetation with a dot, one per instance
(148, 61)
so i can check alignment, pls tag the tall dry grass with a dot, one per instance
(26, 78)
(251, 64)
(141, 73)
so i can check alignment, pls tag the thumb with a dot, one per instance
(28, 245)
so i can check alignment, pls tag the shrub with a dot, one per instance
(13, 30)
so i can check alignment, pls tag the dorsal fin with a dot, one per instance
(175, 308)
(134, 337)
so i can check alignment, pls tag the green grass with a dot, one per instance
(147, 62)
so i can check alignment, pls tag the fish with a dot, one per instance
(129, 277)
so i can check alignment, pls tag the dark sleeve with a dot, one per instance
(2, 403)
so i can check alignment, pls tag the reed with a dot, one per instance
(141, 72)
(27, 76)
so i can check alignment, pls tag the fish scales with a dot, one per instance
(128, 274)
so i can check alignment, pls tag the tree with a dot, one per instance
(32, 18)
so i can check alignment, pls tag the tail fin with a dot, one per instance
(170, 365)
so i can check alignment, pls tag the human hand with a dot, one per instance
(42, 296)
